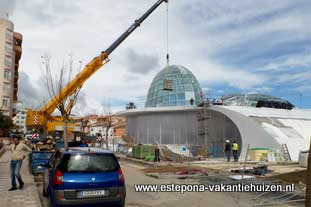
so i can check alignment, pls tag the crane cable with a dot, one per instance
(167, 37)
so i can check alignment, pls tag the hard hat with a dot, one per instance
(227, 141)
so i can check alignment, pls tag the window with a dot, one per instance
(8, 48)
(5, 102)
(9, 35)
(181, 96)
(6, 88)
(88, 163)
(7, 74)
(8, 61)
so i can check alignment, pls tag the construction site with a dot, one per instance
(178, 146)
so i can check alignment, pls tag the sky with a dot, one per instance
(246, 46)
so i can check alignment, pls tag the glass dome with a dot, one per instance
(175, 85)
(255, 100)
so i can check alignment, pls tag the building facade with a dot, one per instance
(163, 125)
(10, 54)
(97, 125)
(20, 117)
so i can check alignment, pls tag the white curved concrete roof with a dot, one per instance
(290, 127)
(270, 112)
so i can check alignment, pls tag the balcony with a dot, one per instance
(18, 38)
(16, 78)
(18, 53)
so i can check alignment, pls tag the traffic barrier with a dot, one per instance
(38, 160)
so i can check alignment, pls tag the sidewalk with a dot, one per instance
(28, 197)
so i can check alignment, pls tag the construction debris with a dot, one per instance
(165, 169)
(192, 171)
(47, 144)
(280, 198)
(259, 170)
(241, 177)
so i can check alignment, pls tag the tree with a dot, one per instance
(55, 83)
(107, 121)
(6, 124)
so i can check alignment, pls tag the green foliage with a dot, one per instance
(6, 124)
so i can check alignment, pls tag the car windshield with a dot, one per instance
(88, 163)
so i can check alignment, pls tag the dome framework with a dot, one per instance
(175, 85)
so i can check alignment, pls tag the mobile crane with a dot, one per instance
(42, 119)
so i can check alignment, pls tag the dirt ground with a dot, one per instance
(292, 177)
(136, 174)
(169, 169)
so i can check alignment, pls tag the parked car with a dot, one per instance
(84, 177)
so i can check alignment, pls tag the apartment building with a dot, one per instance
(10, 54)
(20, 117)
(96, 124)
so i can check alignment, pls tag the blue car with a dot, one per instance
(84, 177)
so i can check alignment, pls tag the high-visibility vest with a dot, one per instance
(235, 147)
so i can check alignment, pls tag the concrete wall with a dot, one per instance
(182, 127)
(219, 129)
(173, 127)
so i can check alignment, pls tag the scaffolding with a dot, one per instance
(203, 122)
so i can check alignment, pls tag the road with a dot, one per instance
(134, 175)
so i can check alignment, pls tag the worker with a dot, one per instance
(19, 153)
(235, 149)
(157, 154)
(227, 150)
(191, 101)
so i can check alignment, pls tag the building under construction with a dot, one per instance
(176, 115)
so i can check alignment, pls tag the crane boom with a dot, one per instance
(131, 29)
(37, 117)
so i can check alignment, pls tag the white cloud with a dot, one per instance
(290, 61)
(201, 31)
(213, 73)
(304, 89)
(301, 77)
